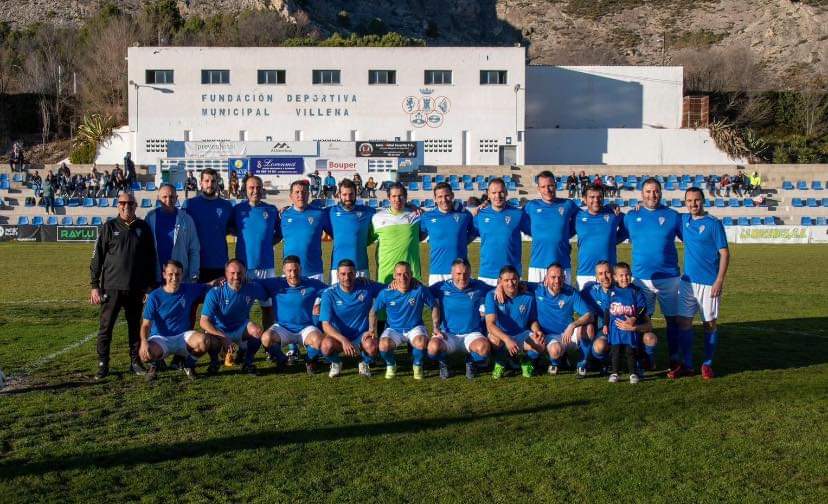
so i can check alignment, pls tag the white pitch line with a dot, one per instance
(54, 355)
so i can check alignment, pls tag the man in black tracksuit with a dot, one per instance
(123, 271)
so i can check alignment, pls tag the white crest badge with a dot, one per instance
(561, 303)
(561, 210)
(661, 221)
(310, 220)
(701, 229)
(264, 215)
(412, 301)
(456, 217)
(302, 292)
(361, 297)
(606, 217)
(507, 219)
(522, 308)
(219, 211)
(470, 294)
(359, 214)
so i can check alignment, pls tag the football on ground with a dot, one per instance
(756, 432)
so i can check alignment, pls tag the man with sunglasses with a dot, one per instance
(122, 273)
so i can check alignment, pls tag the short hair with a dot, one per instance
(508, 269)
(546, 174)
(473, 201)
(303, 183)
(595, 188)
(651, 180)
(555, 265)
(128, 193)
(603, 262)
(173, 262)
(403, 263)
(397, 185)
(209, 171)
(254, 177)
(166, 184)
(442, 185)
(347, 183)
(235, 261)
(346, 263)
(496, 180)
(461, 261)
(292, 259)
(695, 190)
(622, 265)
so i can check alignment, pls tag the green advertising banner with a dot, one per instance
(77, 233)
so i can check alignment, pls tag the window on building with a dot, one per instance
(326, 77)
(438, 76)
(488, 145)
(159, 77)
(382, 76)
(271, 76)
(493, 77)
(438, 145)
(215, 76)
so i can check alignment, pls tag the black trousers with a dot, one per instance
(615, 354)
(133, 304)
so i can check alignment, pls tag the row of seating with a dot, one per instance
(16, 177)
(813, 221)
(802, 185)
(749, 221)
(66, 220)
(809, 202)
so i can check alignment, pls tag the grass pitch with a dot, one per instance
(756, 433)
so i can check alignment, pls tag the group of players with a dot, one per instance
(497, 320)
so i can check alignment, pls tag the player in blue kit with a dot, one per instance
(344, 314)
(599, 230)
(510, 325)
(706, 258)
(499, 226)
(550, 221)
(226, 314)
(211, 215)
(557, 302)
(403, 303)
(449, 233)
(461, 301)
(302, 228)
(166, 328)
(597, 294)
(653, 229)
(350, 229)
(626, 317)
(296, 303)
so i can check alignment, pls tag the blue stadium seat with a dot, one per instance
(179, 186)
(770, 221)
(452, 179)
(620, 202)
(114, 202)
(676, 203)
(59, 202)
(633, 202)
(806, 221)
(507, 178)
(415, 202)
(88, 202)
(66, 220)
(787, 185)
(514, 202)
(83, 221)
(825, 202)
(816, 185)
(685, 178)
(665, 202)
(743, 221)
(479, 178)
(821, 221)
(427, 185)
(720, 203)
(413, 186)
(455, 185)
(425, 178)
(561, 184)
(74, 202)
(4, 176)
(812, 203)
(439, 178)
(146, 203)
(22, 220)
(386, 203)
(103, 202)
(468, 186)
(748, 203)
(151, 186)
(755, 221)
(708, 203)
(673, 179)
(17, 178)
(481, 186)
(797, 202)
(802, 185)
(467, 179)
(727, 221)
(360, 201)
(96, 221)
(660, 179)
(670, 186)
(37, 220)
(136, 186)
(372, 203)
(684, 185)
(52, 220)
(734, 202)
(511, 185)
(428, 203)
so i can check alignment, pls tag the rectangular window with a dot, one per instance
(271, 76)
(326, 76)
(438, 76)
(382, 76)
(159, 77)
(215, 76)
(493, 77)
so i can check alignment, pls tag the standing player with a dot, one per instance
(226, 314)
(550, 221)
(449, 232)
(706, 258)
(350, 229)
(556, 303)
(498, 225)
(302, 228)
(653, 229)
(510, 325)
(626, 317)
(397, 232)
(176, 236)
(344, 313)
(211, 215)
(599, 230)
(403, 303)
(296, 301)
(167, 327)
(461, 301)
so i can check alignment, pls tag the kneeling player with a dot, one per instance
(460, 301)
(344, 314)
(403, 303)
(556, 304)
(596, 293)
(226, 314)
(167, 327)
(627, 317)
(296, 299)
(510, 325)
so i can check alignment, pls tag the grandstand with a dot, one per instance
(794, 194)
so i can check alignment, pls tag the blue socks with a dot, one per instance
(686, 347)
(440, 357)
(252, 347)
(190, 361)
(293, 347)
(673, 341)
(334, 358)
(367, 358)
(584, 349)
(313, 353)
(389, 358)
(533, 355)
(710, 341)
(417, 356)
(275, 352)
(477, 358)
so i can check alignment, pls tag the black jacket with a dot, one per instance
(124, 256)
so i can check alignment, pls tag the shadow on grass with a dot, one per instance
(266, 439)
(47, 387)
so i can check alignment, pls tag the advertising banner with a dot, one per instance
(819, 234)
(77, 233)
(773, 234)
(387, 149)
(239, 165)
(218, 149)
(336, 149)
(8, 233)
(29, 233)
(277, 166)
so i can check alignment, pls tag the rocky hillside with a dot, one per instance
(784, 35)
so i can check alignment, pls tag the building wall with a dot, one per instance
(478, 119)
(586, 97)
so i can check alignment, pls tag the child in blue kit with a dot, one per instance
(627, 319)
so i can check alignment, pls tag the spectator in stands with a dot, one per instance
(35, 182)
(190, 185)
(234, 185)
(49, 194)
(371, 188)
(92, 186)
(572, 185)
(754, 184)
(16, 159)
(95, 173)
(329, 187)
(358, 183)
(129, 170)
(739, 183)
(117, 178)
(612, 187)
(725, 184)
(583, 183)
(175, 236)
(103, 190)
(598, 182)
(315, 184)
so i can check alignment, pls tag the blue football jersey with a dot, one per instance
(348, 312)
(170, 313)
(228, 309)
(598, 236)
(257, 230)
(461, 309)
(351, 233)
(448, 236)
(500, 239)
(293, 305)
(212, 222)
(515, 315)
(404, 310)
(555, 311)
(704, 238)
(302, 236)
(550, 225)
(653, 236)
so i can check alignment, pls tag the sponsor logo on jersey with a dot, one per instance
(412, 301)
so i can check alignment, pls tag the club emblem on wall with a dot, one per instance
(426, 110)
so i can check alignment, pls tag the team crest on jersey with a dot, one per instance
(361, 297)
(606, 217)
(219, 211)
(486, 220)
(181, 302)
(561, 303)
(310, 220)
(456, 218)
(507, 219)
(264, 215)
(701, 229)
(433, 221)
(302, 292)
(522, 308)
(470, 294)
(661, 221)
(359, 214)
(412, 301)
(561, 211)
